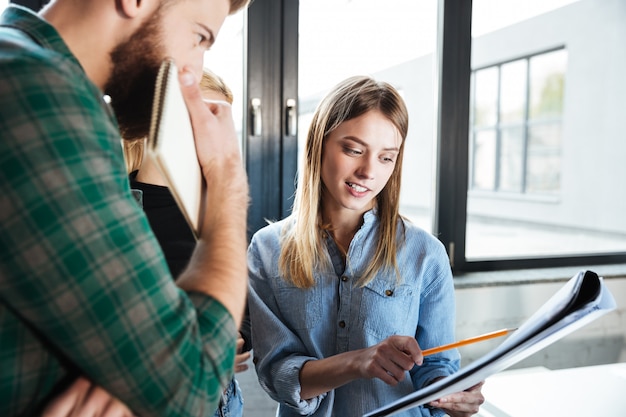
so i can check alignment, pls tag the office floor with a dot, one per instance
(256, 403)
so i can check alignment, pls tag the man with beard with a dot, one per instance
(85, 294)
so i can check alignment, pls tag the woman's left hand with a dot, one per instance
(461, 404)
(242, 357)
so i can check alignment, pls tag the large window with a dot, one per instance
(545, 170)
(513, 158)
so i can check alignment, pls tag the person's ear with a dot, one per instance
(134, 8)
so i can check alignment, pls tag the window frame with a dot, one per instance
(525, 125)
(453, 69)
(272, 77)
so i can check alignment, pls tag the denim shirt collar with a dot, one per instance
(370, 221)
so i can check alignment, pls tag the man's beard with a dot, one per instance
(136, 64)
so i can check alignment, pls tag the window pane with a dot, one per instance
(484, 160)
(572, 197)
(544, 159)
(547, 79)
(226, 59)
(511, 159)
(486, 97)
(513, 92)
(341, 38)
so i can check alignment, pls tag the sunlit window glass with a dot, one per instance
(511, 160)
(544, 159)
(486, 99)
(393, 43)
(513, 92)
(226, 59)
(547, 82)
(484, 160)
(548, 179)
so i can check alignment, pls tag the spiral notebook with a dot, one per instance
(172, 146)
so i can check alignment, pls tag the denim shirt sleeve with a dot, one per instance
(437, 312)
(276, 358)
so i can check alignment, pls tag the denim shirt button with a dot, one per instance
(342, 324)
(388, 293)
(344, 278)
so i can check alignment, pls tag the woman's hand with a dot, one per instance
(461, 404)
(241, 358)
(84, 399)
(390, 359)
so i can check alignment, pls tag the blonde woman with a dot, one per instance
(345, 292)
(172, 230)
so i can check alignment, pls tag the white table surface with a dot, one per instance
(574, 392)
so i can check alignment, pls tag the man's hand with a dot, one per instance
(84, 399)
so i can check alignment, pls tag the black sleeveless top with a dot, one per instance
(167, 223)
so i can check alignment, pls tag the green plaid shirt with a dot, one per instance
(84, 287)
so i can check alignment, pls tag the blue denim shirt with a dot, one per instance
(291, 326)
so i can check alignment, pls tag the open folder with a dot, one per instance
(581, 300)
(172, 146)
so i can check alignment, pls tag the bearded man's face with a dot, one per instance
(180, 30)
(136, 64)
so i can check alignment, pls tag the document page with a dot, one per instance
(580, 301)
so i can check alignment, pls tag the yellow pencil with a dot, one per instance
(471, 340)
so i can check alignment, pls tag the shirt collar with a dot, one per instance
(38, 29)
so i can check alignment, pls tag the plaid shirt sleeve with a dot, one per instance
(84, 288)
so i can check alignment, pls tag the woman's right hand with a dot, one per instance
(390, 359)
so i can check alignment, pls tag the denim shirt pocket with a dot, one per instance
(385, 308)
(301, 307)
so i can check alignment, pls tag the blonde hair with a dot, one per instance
(303, 240)
(236, 5)
(133, 149)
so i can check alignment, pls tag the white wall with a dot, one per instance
(484, 308)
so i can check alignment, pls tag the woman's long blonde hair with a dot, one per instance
(133, 149)
(303, 248)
